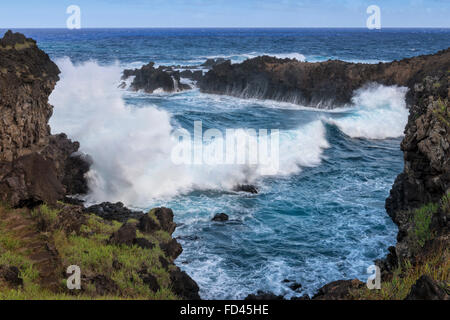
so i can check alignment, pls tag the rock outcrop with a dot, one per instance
(27, 77)
(35, 167)
(323, 84)
(150, 79)
(338, 290)
(426, 175)
(427, 289)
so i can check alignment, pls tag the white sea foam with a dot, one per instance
(379, 113)
(132, 147)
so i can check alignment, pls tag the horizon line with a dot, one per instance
(93, 28)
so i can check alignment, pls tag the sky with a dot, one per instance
(223, 13)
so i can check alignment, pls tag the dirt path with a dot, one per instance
(34, 245)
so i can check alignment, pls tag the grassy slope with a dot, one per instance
(435, 263)
(20, 236)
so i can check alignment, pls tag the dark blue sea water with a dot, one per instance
(321, 218)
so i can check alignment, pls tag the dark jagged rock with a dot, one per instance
(246, 188)
(149, 280)
(114, 211)
(324, 84)
(30, 181)
(125, 235)
(149, 79)
(71, 219)
(184, 286)
(210, 63)
(263, 296)
(192, 75)
(172, 249)
(164, 263)
(220, 217)
(388, 264)
(11, 275)
(148, 224)
(103, 285)
(338, 290)
(27, 77)
(427, 289)
(71, 166)
(34, 166)
(295, 286)
(143, 243)
(165, 218)
(426, 175)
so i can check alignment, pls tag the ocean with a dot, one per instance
(320, 218)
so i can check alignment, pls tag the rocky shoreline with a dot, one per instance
(328, 84)
(39, 173)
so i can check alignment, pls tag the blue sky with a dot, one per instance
(224, 13)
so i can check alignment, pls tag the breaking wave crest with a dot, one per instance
(131, 147)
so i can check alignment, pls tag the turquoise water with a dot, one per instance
(320, 219)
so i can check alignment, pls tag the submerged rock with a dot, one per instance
(220, 217)
(246, 188)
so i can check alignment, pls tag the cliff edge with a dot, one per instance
(322, 84)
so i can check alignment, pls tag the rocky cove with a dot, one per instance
(39, 170)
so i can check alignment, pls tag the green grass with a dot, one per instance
(89, 250)
(94, 255)
(422, 220)
(46, 217)
(437, 267)
(442, 111)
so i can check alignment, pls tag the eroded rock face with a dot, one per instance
(27, 77)
(426, 176)
(184, 286)
(323, 84)
(35, 167)
(29, 181)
